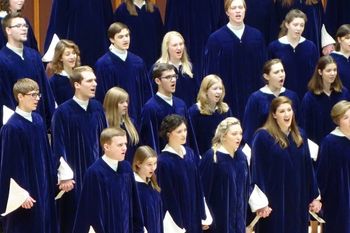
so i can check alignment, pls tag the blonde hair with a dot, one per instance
(108, 133)
(290, 16)
(113, 97)
(202, 96)
(338, 110)
(23, 86)
(275, 131)
(130, 6)
(221, 130)
(228, 3)
(57, 64)
(143, 153)
(165, 58)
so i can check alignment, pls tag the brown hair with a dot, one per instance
(77, 75)
(338, 110)
(142, 153)
(5, 6)
(315, 84)
(7, 20)
(159, 68)
(228, 3)
(275, 131)
(290, 16)
(130, 6)
(23, 86)
(202, 96)
(108, 133)
(169, 124)
(115, 28)
(57, 64)
(342, 31)
(268, 66)
(113, 97)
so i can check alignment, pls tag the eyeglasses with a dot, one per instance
(34, 95)
(20, 25)
(170, 77)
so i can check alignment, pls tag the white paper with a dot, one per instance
(313, 148)
(209, 220)
(250, 227)
(59, 195)
(91, 230)
(248, 152)
(48, 56)
(326, 39)
(257, 199)
(318, 218)
(17, 196)
(170, 226)
(7, 113)
(64, 171)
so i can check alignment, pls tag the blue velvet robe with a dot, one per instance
(153, 112)
(343, 65)
(314, 14)
(12, 68)
(61, 88)
(109, 200)
(151, 206)
(129, 156)
(315, 113)
(75, 137)
(257, 110)
(299, 63)
(204, 126)
(195, 20)
(26, 157)
(131, 75)
(226, 189)
(336, 14)
(237, 62)
(146, 31)
(31, 41)
(84, 22)
(333, 179)
(186, 87)
(181, 189)
(287, 178)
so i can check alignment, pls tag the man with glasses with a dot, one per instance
(27, 169)
(160, 105)
(119, 67)
(17, 61)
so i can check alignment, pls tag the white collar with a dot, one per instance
(64, 73)
(26, 115)
(82, 103)
(223, 150)
(119, 53)
(340, 53)
(140, 5)
(111, 162)
(168, 148)
(138, 178)
(18, 51)
(167, 99)
(237, 30)
(265, 89)
(284, 40)
(3, 14)
(338, 132)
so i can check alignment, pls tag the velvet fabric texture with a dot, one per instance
(131, 75)
(343, 65)
(61, 88)
(181, 193)
(238, 62)
(13, 67)
(75, 137)
(226, 189)
(287, 178)
(109, 200)
(26, 157)
(333, 179)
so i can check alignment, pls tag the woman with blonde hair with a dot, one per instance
(225, 179)
(65, 59)
(209, 111)
(298, 54)
(282, 168)
(116, 104)
(325, 90)
(334, 169)
(144, 165)
(174, 52)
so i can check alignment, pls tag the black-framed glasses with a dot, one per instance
(19, 25)
(34, 95)
(170, 77)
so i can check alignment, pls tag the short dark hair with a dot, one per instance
(77, 75)
(7, 20)
(115, 28)
(169, 124)
(159, 68)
